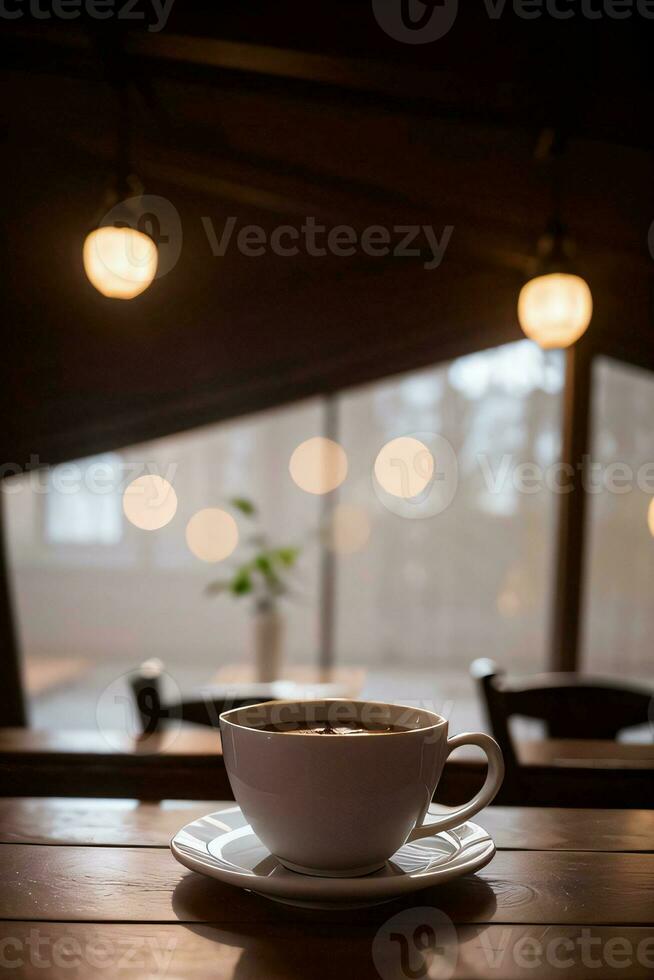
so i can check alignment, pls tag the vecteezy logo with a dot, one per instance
(416, 944)
(415, 21)
(416, 476)
(154, 216)
(130, 709)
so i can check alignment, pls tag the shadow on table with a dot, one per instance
(260, 938)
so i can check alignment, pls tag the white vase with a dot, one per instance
(268, 638)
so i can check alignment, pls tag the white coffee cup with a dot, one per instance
(341, 805)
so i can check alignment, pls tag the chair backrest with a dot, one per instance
(571, 706)
(154, 712)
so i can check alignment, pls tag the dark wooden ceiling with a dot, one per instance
(276, 116)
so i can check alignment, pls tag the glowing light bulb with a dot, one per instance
(119, 262)
(555, 309)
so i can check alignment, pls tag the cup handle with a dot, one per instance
(452, 816)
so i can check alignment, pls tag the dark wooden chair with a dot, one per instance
(203, 708)
(570, 706)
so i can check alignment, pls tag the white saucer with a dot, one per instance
(224, 846)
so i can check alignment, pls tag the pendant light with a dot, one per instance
(120, 259)
(555, 305)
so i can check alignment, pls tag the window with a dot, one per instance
(419, 592)
(83, 502)
(99, 614)
(619, 611)
(428, 596)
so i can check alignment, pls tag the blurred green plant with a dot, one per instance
(265, 576)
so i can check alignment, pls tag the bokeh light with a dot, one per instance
(404, 467)
(318, 465)
(149, 502)
(212, 534)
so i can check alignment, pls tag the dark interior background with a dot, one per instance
(276, 116)
(293, 111)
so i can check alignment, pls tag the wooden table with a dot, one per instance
(188, 762)
(587, 752)
(89, 888)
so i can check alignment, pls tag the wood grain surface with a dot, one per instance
(63, 820)
(290, 951)
(89, 888)
(135, 884)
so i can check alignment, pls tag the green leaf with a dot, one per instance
(286, 556)
(241, 584)
(264, 564)
(244, 505)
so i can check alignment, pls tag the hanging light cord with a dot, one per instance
(124, 132)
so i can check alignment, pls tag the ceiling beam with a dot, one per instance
(515, 99)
